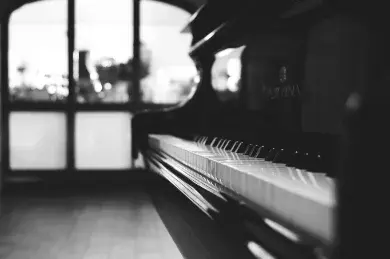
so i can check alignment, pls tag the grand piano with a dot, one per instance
(282, 126)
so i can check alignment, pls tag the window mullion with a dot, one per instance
(134, 91)
(71, 86)
(5, 102)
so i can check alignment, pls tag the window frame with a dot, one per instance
(71, 106)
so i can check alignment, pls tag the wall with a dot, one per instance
(336, 64)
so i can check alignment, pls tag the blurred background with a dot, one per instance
(103, 72)
(103, 53)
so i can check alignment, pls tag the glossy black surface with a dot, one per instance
(297, 72)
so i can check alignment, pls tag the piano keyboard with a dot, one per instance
(305, 199)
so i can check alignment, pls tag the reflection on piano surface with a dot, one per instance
(226, 74)
(257, 146)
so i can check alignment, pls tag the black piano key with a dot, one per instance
(234, 146)
(262, 152)
(254, 151)
(283, 156)
(214, 142)
(224, 144)
(220, 141)
(240, 148)
(227, 141)
(296, 159)
(202, 139)
(209, 140)
(328, 165)
(248, 149)
(319, 163)
(228, 145)
(311, 162)
(307, 162)
(271, 154)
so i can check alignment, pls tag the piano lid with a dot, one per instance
(187, 27)
(230, 17)
(213, 14)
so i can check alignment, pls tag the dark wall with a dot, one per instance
(328, 61)
(337, 63)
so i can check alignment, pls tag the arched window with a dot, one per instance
(103, 52)
(171, 71)
(91, 130)
(38, 66)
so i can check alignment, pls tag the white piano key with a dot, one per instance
(306, 199)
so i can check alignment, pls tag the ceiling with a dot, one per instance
(8, 5)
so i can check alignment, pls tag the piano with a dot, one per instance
(270, 141)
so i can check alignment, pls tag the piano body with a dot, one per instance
(267, 143)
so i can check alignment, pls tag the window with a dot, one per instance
(168, 71)
(92, 131)
(37, 140)
(38, 67)
(104, 49)
(103, 140)
(226, 74)
(38, 61)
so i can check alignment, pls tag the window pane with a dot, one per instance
(37, 140)
(168, 72)
(104, 48)
(103, 140)
(38, 66)
(226, 75)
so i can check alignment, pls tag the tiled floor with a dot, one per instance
(109, 224)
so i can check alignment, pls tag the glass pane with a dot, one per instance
(38, 66)
(37, 140)
(169, 73)
(226, 75)
(103, 140)
(104, 48)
